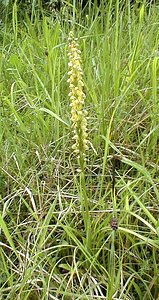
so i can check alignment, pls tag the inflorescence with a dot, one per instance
(77, 97)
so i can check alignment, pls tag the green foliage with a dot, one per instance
(47, 249)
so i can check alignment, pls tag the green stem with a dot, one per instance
(85, 201)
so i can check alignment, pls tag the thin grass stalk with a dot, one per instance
(112, 265)
(15, 21)
(154, 136)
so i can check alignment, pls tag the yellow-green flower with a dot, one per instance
(77, 97)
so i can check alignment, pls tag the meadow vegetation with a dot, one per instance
(81, 227)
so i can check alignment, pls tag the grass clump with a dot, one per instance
(58, 238)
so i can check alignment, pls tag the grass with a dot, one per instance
(46, 250)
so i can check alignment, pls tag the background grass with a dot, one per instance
(44, 250)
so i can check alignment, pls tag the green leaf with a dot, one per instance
(48, 111)
(3, 226)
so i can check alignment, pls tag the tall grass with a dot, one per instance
(44, 236)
